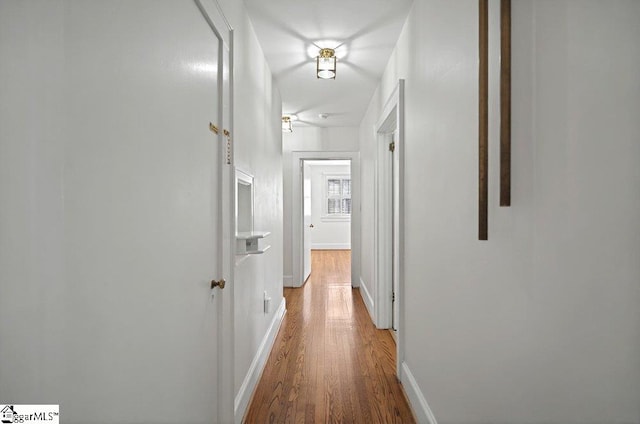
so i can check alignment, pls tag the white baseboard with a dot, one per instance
(287, 280)
(330, 246)
(417, 401)
(368, 300)
(257, 365)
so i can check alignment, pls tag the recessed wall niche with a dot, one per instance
(248, 241)
(244, 202)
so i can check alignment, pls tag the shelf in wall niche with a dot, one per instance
(252, 235)
(251, 242)
(255, 252)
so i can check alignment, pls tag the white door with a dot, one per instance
(143, 199)
(306, 221)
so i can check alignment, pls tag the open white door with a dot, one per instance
(307, 224)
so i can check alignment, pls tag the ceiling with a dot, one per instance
(363, 33)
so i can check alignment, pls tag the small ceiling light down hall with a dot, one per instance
(286, 124)
(326, 64)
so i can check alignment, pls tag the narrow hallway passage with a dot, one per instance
(329, 362)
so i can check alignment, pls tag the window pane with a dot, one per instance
(346, 188)
(333, 187)
(333, 206)
(346, 206)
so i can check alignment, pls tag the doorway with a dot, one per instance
(327, 207)
(298, 226)
(389, 180)
(388, 218)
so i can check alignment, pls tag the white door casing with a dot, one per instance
(383, 237)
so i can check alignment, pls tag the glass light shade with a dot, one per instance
(326, 64)
(286, 124)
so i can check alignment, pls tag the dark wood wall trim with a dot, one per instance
(483, 118)
(505, 103)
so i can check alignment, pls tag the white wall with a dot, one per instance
(258, 151)
(310, 139)
(327, 234)
(541, 322)
(98, 193)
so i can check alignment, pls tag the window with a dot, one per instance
(338, 197)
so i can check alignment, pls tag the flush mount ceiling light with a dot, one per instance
(286, 124)
(326, 64)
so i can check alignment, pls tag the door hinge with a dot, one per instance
(393, 296)
(392, 146)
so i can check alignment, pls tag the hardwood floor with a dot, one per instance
(329, 362)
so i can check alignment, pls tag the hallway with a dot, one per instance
(329, 363)
(146, 158)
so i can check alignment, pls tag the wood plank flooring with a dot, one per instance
(329, 363)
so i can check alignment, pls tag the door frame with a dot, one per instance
(215, 18)
(382, 216)
(297, 216)
(391, 119)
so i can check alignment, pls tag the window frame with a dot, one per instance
(335, 217)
